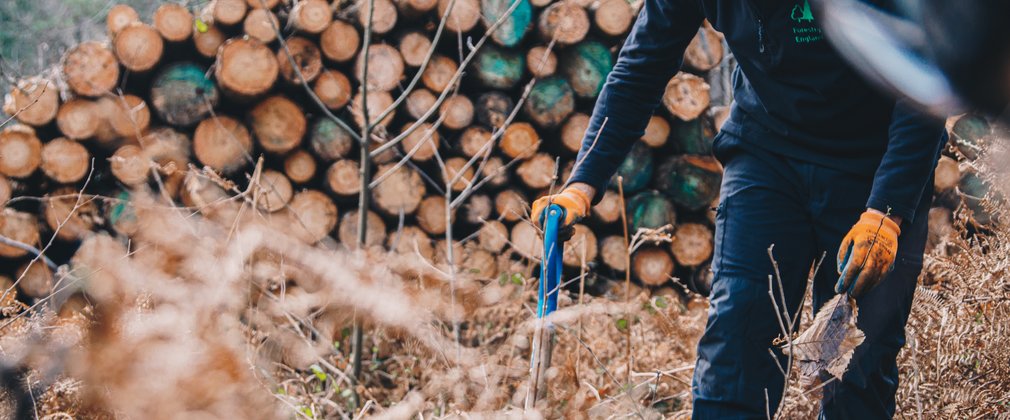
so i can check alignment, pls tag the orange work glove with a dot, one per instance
(867, 253)
(575, 202)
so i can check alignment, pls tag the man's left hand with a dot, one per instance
(867, 253)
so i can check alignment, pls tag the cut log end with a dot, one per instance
(411, 240)
(510, 205)
(565, 21)
(383, 18)
(273, 191)
(138, 47)
(34, 101)
(613, 17)
(400, 192)
(431, 215)
(705, 50)
(608, 210)
(419, 102)
(582, 248)
(262, 25)
(692, 244)
(375, 234)
(439, 73)
(477, 209)
(657, 132)
(278, 124)
(313, 216)
(21, 227)
(456, 112)
(947, 174)
(422, 143)
(474, 140)
(652, 266)
(70, 219)
(520, 140)
(307, 58)
(464, 14)
(340, 41)
(333, 89)
(182, 94)
(385, 68)
(328, 140)
(686, 96)
(119, 17)
(493, 236)
(300, 166)
(550, 101)
(207, 42)
(90, 69)
(229, 12)
(173, 22)
(574, 131)
(65, 161)
(342, 177)
(131, 116)
(377, 103)
(78, 119)
(537, 172)
(541, 62)
(222, 143)
(20, 152)
(245, 67)
(458, 167)
(613, 252)
(414, 47)
(130, 165)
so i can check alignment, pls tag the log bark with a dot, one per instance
(383, 19)
(400, 192)
(5, 191)
(328, 140)
(420, 101)
(333, 89)
(705, 50)
(222, 143)
(414, 47)
(692, 244)
(36, 279)
(477, 209)
(313, 216)
(583, 241)
(65, 161)
(34, 101)
(173, 22)
(300, 166)
(377, 102)
(278, 124)
(78, 119)
(693, 137)
(550, 101)
(636, 170)
(526, 241)
(493, 236)
(947, 174)
(168, 148)
(657, 132)
(342, 177)
(614, 253)
(20, 151)
(453, 166)
(519, 141)
(411, 240)
(969, 134)
(538, 171)
(131, 116)
(274, 191)
(463, 16)
(431, 215)
(229, 12)
(311, 16)
(541, 62)
(425, 133)
(138, 47)
(375, 234)
(207, 42)
(260, 24)
(690, 181)
(67, 223)
(245, 67)
(650, 210)
(21, 227)
(510, 205)
(652, 266)
(340, 41)
(565, 21)
(439, 72)
(90, 69)
(513, 27)
(493, 109)
(307, 57)
(608, 210)
(495, 172)
(412, 9)
(613, 17)
(574, 130)
(701, 280)
(719, 116)
(686, 96)
(118, 18)
(473, 140)
(130, 165)
(183, 95)
(456, 112)
(499, 68)
(586, 66)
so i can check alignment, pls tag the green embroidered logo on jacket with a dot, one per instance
(805, 31)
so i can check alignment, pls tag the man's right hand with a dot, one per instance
(576, 199)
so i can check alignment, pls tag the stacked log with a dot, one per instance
(184, 93)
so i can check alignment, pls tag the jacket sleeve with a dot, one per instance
(905, 172)
(651, 55)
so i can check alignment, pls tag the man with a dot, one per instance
(816, 162)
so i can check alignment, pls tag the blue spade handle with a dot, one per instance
(552, 263)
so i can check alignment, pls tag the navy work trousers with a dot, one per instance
(804, 210)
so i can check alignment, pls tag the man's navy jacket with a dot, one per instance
(794, 95)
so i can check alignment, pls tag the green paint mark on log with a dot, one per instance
(328, 140)
(514, 28)
(122, 210)
(183, 95)
(650, 210)
(550, 101)
(636, 169)
(691, 182)
(692, 137)
(498, 68)
(587, 65)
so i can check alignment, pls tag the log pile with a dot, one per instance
(188, 101)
